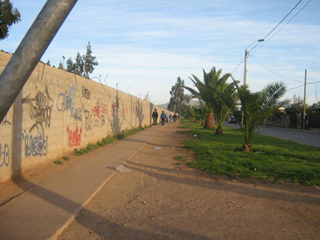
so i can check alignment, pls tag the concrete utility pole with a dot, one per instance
(304, 100)
(30, 50)
(245, 67)
(246, 58)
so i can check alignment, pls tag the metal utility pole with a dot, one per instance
(30, 50)
(245, 67)
(304, 100)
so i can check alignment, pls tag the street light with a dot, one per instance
(245, 61)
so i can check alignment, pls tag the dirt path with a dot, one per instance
(163, 199)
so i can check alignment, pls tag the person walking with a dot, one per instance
(174, 117)
(163, 118)
(155, 116)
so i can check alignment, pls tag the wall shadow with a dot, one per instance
(92, 219)
(244, 190)
(115, 122)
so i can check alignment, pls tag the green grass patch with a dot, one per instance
(58, 162)
(106, 141)
(181, 158)
(273, 158)
(66, 158)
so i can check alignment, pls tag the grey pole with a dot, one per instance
(245, 67)
(30, 50)
(304, 100)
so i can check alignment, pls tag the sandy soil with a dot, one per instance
(161, 198)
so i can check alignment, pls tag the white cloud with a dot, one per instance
(145, 45)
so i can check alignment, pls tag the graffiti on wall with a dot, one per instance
(93, 120)
(35, 145)
(74, 136)
(66, 102)
(115, 122)
(40, 108)
(100, 109)
(5, 121)
(76, 114)
(85, 92)
(88, 120)
(124, 110)
(4, 155)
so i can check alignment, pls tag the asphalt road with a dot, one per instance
(300, 136)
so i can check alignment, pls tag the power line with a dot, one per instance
(303, 85)
(280, 28)
(277, 25)
(259, 42)
(283, 19)
(238, 65)
(295, 87)
(274, 71)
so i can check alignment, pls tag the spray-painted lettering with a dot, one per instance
(35, 145)
(66, 101)
(88, 120)
(85, 92)
(96, 111)
(40, 109)
(104, 109)
(76, 113)
(4, 155)
(74, 137)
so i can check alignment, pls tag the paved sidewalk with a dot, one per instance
(43, 211)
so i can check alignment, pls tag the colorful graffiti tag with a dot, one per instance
(40, 109)
(4, 155)
(74, 137)
(35, 145)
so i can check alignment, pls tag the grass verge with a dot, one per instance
(106, 141)
(273, 158)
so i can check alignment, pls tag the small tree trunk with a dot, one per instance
(246, 147)
(209, 121)
(219, 130)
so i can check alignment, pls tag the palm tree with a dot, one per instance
(208, 92)
(255, 108)
(203, 94)
(218, 88)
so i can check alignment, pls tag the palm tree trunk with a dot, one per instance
(246, 147)
(219, 130)
(209, 121)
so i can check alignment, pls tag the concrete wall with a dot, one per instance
(57, 111)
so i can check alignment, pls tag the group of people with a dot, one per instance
(163, 117)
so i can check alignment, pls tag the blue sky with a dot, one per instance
(143, 46)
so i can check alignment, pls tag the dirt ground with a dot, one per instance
(161, 198)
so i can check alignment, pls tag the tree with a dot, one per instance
(207, 91)
(89, 62)
(8, 16)
(60, 66)
(219, 86)
(177, 99)
(83, 65)
(79, 65)
(197, 113)
(255, 107)
(70, 65)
